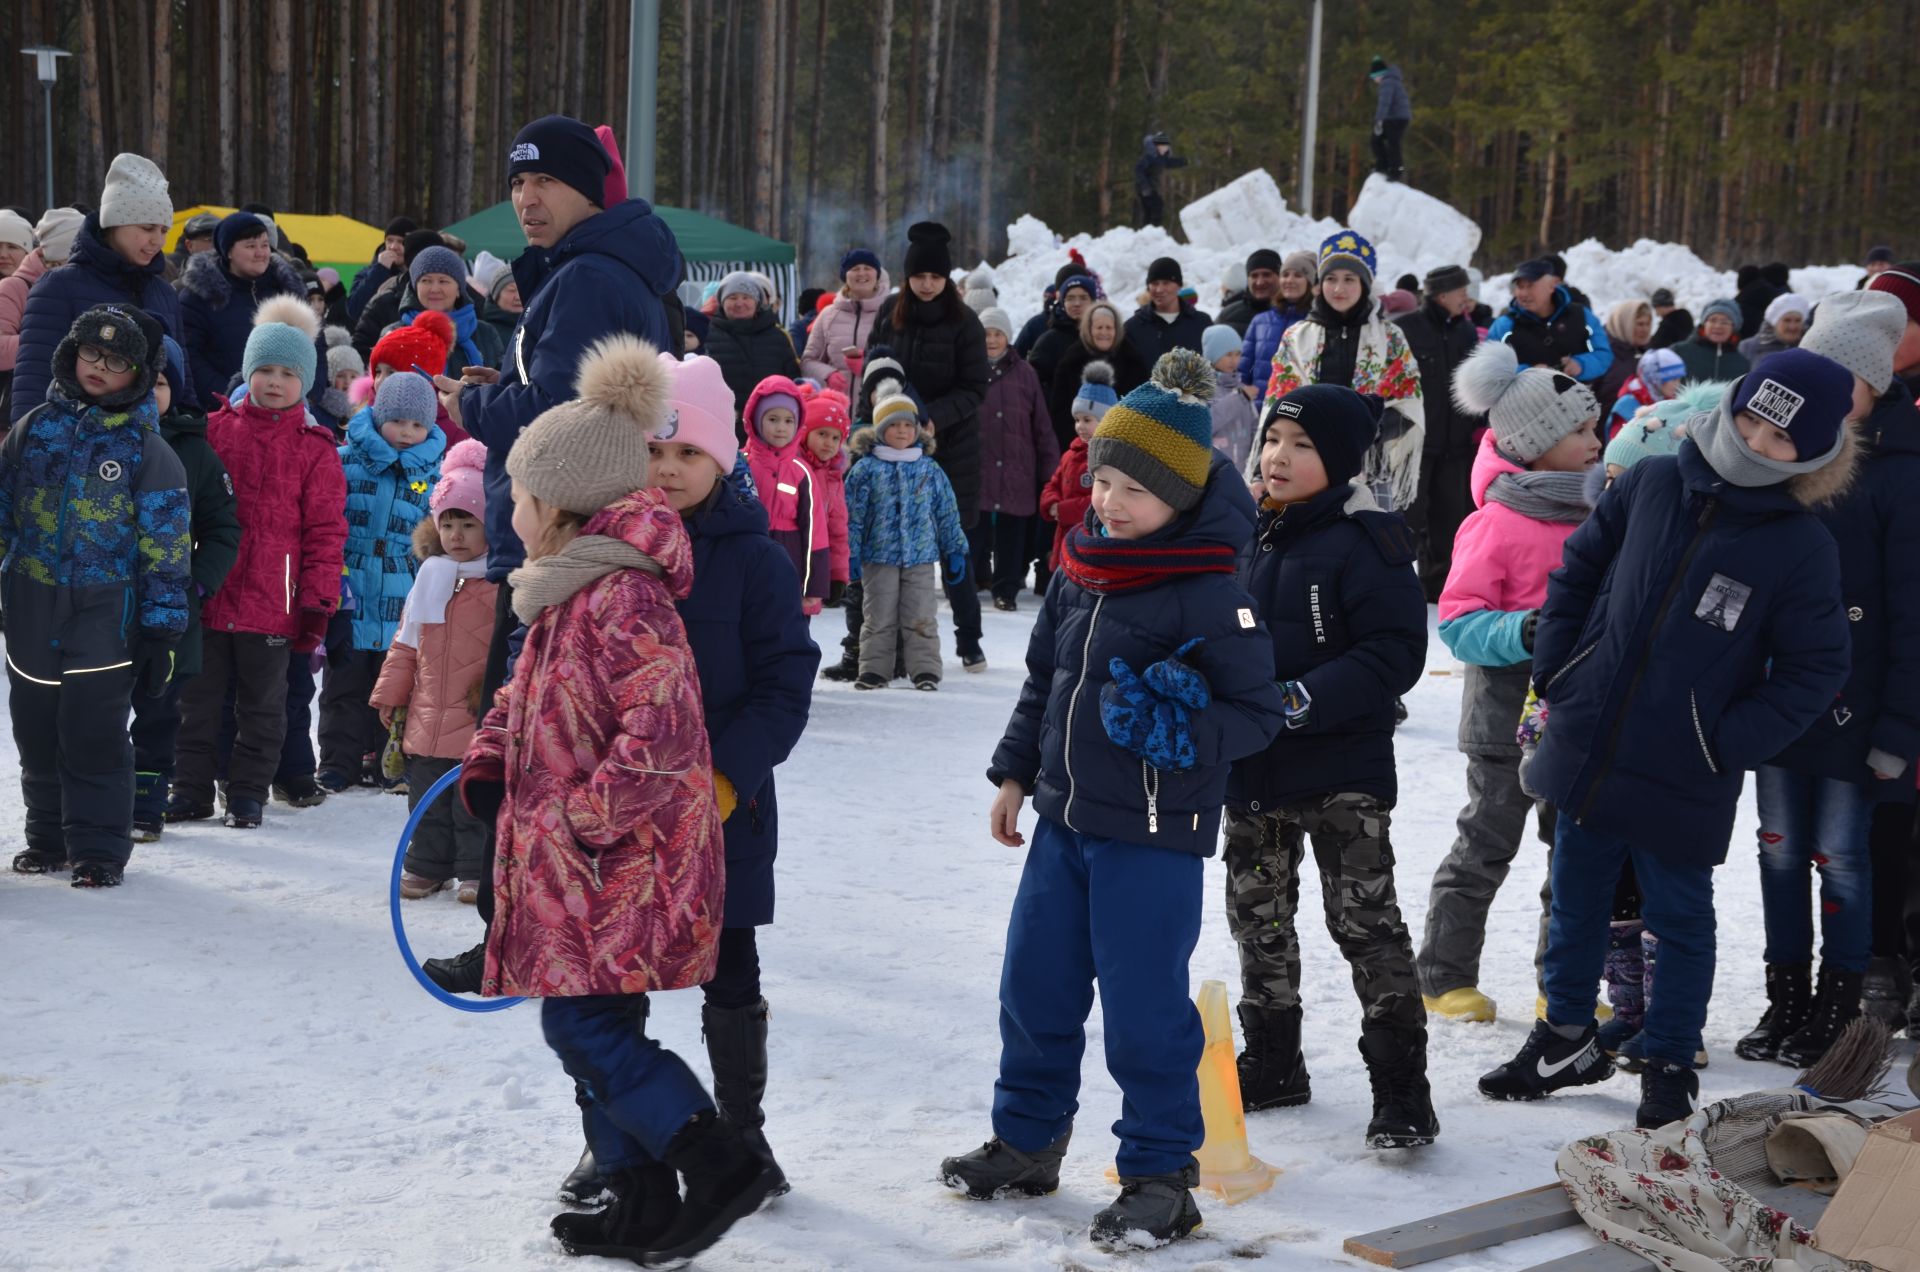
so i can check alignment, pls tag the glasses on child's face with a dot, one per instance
(113, 362)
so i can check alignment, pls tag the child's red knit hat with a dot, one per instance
(826, 409)
(427, 342)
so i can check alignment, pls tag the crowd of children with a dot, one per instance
(1652, 595)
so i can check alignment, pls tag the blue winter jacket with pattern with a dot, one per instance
(387, 493)
(94, 522)
(1693, 629)
(899, 513)
(1055, 745)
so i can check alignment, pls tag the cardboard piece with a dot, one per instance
(1876, 1214)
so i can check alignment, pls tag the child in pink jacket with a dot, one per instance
(796, 515)
(594, 766)
(824, 426)
(434, 668)
(1532, 486)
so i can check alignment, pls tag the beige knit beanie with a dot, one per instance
(585, 454)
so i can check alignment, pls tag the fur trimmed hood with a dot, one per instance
(1825, 486)
(206, 279)
(866, 437)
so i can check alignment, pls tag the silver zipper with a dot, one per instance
(1699, 732)
(593, 867)
(1573, 662)
(1153, 796)
(1073, 703)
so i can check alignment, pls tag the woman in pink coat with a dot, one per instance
(847, 322)
(609, 868)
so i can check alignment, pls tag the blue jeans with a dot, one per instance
(1822, 822)
(638, 1094)
(1127, 916)
(1677, 905)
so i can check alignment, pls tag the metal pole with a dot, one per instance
(1313, 115)
(643, 95)
(46, 92)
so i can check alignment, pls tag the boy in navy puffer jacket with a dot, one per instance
(93, 524)
(1148, 675)
(1692, 631)
(1333, 575)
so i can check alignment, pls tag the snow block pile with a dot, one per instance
(1412, 232)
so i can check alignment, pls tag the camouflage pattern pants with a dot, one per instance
(1350, 845)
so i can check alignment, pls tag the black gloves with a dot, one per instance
(1528, 626)
(152, 667)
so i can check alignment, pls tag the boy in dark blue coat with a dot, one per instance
(1333, 576)
(1148, 675)
(1692, 631)
(1817, 797)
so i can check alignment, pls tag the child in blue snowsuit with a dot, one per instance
(392, 461)
(93, 523)
(1693, 629)
(1148, 675)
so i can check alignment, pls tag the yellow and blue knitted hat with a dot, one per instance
(1161, 434)
(1348, 249)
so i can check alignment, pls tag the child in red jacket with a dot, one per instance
(824, 425)
(796, 517)
(1069, 492)
(291, 495)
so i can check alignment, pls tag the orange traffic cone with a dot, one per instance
(1228, 1169)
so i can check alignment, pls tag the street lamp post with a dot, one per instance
(1312, 115)
(46, 65)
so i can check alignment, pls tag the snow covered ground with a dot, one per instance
(1412, 232)
(224, 1065)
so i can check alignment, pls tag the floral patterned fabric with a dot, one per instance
(609, 877)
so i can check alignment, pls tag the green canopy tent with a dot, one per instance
(711, 247)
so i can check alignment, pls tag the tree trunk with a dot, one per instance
(783, 191)
(930, 107)
(345, 191)
(464, 157)
(279, 101)
(877, 148)
(765, 88)
(685, 193)
(1103, 178)
(709, 138)
(944, 192)
(983, 231)
(160, 123)
(815, 160)
(92, 139)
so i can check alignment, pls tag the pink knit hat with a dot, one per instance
(462, 482)
(700, 411)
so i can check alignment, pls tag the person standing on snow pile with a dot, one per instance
(291, 495)
(1148, 675)
(609, 863)
(903, 524)
(1334, 576)
(95, 528)
(1346, 342)
(1817, 796)
(1018, 453)
(1547, 327)
(1694, 629)
(214, 527)
(1392, 115)
(1167, 320)
(1531, 487)
(1440, 334)
(942, 351)
(1156, 154)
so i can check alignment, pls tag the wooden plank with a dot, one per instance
(1490, 1223)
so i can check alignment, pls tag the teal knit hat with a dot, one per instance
(1161, 434)
(284, 331)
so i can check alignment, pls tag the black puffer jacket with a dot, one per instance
(748, 351)
(943, 349)
(1440, 343)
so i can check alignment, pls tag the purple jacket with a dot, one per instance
(1018, 451)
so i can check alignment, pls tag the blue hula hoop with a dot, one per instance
(393, 905)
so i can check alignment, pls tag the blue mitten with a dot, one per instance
(1139, 720)
(1172, 679)
(956, 569)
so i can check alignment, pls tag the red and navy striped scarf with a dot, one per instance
(1105, 566)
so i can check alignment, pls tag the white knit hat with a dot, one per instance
(56, 231)
(1860, 330)
(15, 230)
(135, 194)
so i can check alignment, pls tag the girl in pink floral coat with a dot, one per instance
(594, 767)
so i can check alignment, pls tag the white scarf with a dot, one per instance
(895, 455)
(433, 587)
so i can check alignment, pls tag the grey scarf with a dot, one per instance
(1558, 497)
(1719, 440)
(552, 580)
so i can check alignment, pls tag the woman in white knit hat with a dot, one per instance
(16, 240)
(54, 236)
(116, 260)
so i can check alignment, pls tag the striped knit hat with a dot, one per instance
(1161, 434)
(893, 408)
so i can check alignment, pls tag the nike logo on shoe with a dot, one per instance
(1547, 1071)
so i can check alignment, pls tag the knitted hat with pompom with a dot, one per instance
(583, 455)
(1161, 434)
(284, 331)
(462, 485)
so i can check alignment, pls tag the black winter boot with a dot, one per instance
(1273, 1073)
(1403, 1115)
(1150, 1211)
(1835, 1002)
(997, 1169)
(584, 1184)
(725, 1182)
(460, 974)
(646, 1201)
(737, 1049)
(1884, 992)
(149, 807)
(1789, 1003)
(1668, 1093)
(845, 670)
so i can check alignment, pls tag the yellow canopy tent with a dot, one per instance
(339, 241)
